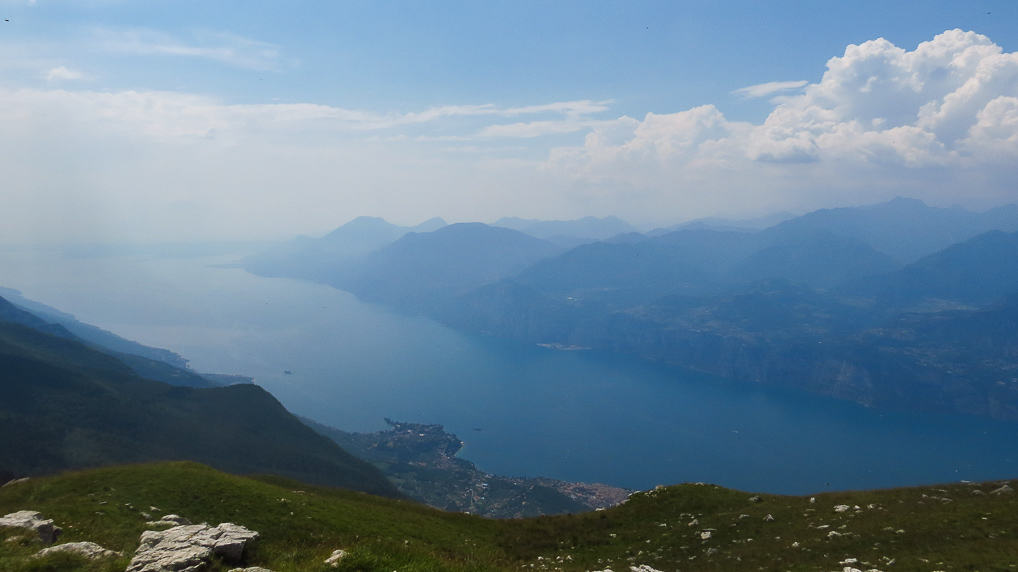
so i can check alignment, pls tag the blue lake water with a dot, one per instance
(521, 410)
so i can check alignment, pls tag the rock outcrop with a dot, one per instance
(32, 520)
(89, 550)
(188, 548)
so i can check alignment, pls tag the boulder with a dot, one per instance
(31, 520)
(15, 481)
(89, 550)
(188, 548)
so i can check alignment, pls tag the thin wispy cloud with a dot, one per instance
(769, 88)
(223, 47)
(531, 129)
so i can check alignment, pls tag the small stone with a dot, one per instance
(841, 508)
(336, 556)
(755, 499)
(769, 518)
(1004, 489)
(13, 482)
(705, 535)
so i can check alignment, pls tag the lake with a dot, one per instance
(521, 410)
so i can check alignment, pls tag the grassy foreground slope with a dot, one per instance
(685, 527)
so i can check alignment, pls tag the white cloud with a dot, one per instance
(769, 88)
(939, 122)
(148, 165)
(226, 48)
(63, 73)
(881, 121)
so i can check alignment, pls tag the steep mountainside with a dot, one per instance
(975, 272)
(67, 405)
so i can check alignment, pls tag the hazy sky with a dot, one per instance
(179, 121)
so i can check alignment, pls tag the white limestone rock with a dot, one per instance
(188, 548)
(1004, 489)
(13, 482)
(168, 521)
(336, 556)
(89, 550)
(32, 520)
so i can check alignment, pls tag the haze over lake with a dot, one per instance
(521, 410)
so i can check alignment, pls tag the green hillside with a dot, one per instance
(66, 405)
(952, 527)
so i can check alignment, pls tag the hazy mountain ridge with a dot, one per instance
(423, 272)
(92, 334)
(316, 258)
(67, 405)
(905, 229)
(152, 363)
(804, 303)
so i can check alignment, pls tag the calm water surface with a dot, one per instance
(521, 410)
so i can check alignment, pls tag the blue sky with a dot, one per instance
(266, 119)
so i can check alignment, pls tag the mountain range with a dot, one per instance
(837, 301)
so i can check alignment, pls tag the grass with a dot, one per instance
(953, 527)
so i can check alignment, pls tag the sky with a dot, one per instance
(178, 121)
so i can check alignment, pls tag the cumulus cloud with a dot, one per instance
(769, 88)
(882, 120)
